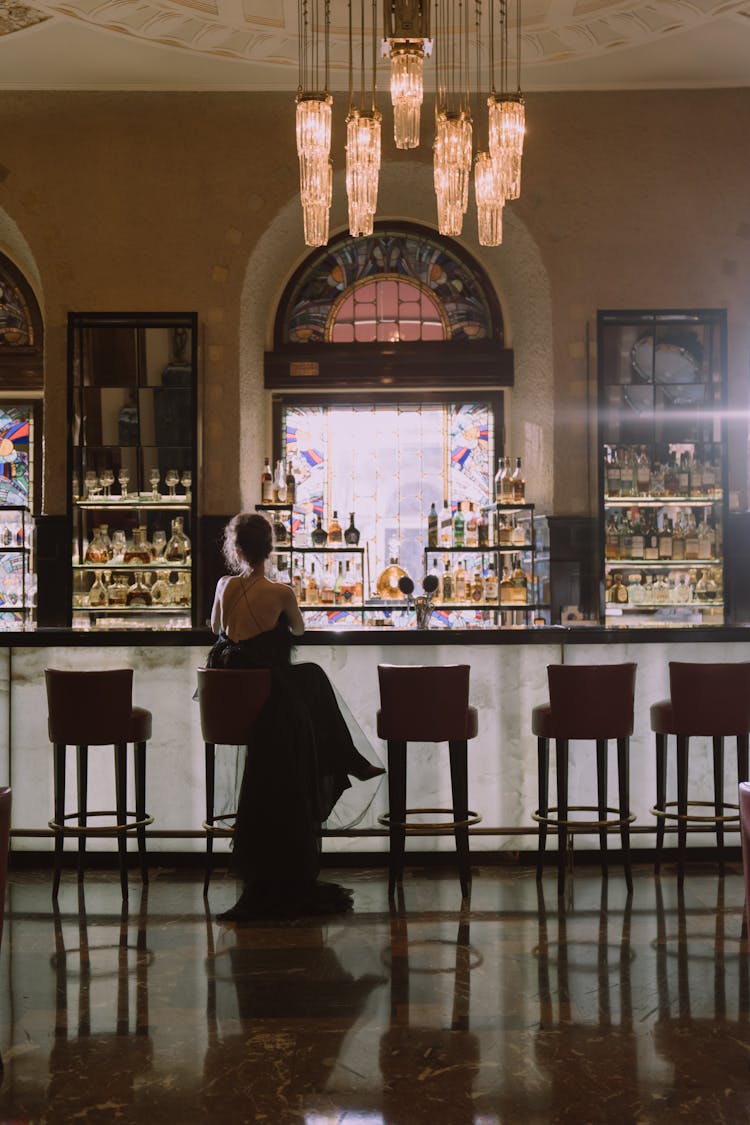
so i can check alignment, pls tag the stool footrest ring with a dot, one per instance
(220, 829)
(103, 830)
(697, 817)
(583, 825)
(432, 827)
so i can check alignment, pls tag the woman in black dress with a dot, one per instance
(303, 753)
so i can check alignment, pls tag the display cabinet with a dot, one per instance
(663, 466)
(133, 425)
(17, 496)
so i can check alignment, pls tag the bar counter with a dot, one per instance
(508, 679)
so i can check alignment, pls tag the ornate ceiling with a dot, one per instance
(252, 44)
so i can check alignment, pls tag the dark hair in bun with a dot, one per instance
(248, 538)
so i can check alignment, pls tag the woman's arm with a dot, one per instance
(291, 611)
(216, 622)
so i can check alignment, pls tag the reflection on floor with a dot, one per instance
(512, 1011)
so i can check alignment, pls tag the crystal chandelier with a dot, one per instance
(490, 200)
(507, 112)
(362, 137)
(453, 124)
(314, 111)
(407, 42)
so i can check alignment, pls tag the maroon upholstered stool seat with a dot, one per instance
(709, 700)
(6, 799)
(744, 799)
(96, 709)
(230, 701)
(588, 702)
(426, 704)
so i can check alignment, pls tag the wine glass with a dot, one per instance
(187, 483)
(123, 478)
(91, 482)
(171, 479)
(154, 477)
(107, 479)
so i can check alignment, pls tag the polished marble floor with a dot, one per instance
(518, 1009)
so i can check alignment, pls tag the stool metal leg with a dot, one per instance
(623, 785)
(139, 770)
(82, 775)
(601, 789)
(661, 796)
(718, 746)
(460, 791)
(397, 810)
(121, 782)
(561, 753)
(742, 757)
(683, 745)
(210, 751)
(542, 756)
(59, 752)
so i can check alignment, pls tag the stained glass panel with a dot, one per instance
(449, 296)
(16, 329)
(387, 463)
(15, 466)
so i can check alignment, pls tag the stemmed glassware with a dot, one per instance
(187, 483)
(91, 482)
(154, 477)
(106, 479)
(123, 479)
(159, 542)
(171, 479)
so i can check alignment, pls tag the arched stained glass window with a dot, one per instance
(421, 287)
(21, 342)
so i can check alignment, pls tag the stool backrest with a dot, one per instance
(423, 703)
(592, 700)
(89, 708)
(710, 699)
(745, 840)
(230, 701)
(5, 806)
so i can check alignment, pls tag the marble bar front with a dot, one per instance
(508, 679)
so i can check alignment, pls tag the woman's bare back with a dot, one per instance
(246, 605)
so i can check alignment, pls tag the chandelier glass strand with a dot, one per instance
(314, 112)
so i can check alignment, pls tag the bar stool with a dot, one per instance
(6, 801)
(710, 700)
(426, 704)
(744, 790)
(230, 699)
(590, 702)
(96, 709)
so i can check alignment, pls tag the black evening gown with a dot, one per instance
(294, 774)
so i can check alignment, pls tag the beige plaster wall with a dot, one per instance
(181, 201)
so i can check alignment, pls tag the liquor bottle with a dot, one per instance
(312, 587)
(338, 585)
(657, 479)
(471, 533)
(319, 534)
(519, 583)
(447, 591)
(648, 590)
(118, 591)
(519, 483)
(138, 549)
(326, 586)
(507, 483)
(279, 484)
(357, 594)
(291, 484)
(96, 551)
(459, 583)
(612, 538)
(335, 535)
(504, 531)
(517, 533)
(432, 526)
(627, 473)
(651, 541)
(297, 584)
(106, 541)
(678, 539)
(613, 474)
(98, 592)
(683, 475)
(351, 535)
(671, 478)
(499, 480)
(458, 527)
(705, 540)
(347, 585)
(637, 539)
(692, 547)
(160, 591)
(446, 526)
(636, 594)
(386, 586)
(643, 473)
(483, 530)
(266, 483)
(626, 537)
(477, 585)
(661, 591)
(665, 539)
(138, 592)
(177, 549)
(490, 584)
(709, 477)
(280, 531)
(506, 587)
(619, 591)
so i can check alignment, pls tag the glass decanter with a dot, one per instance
(161, 593)
(319, 534)
(138, 550)
(96, 551)
(178, 547)
(138, 592)
(351, 535)
(118, 591)
(98, 591)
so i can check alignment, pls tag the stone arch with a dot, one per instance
(515, 270)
